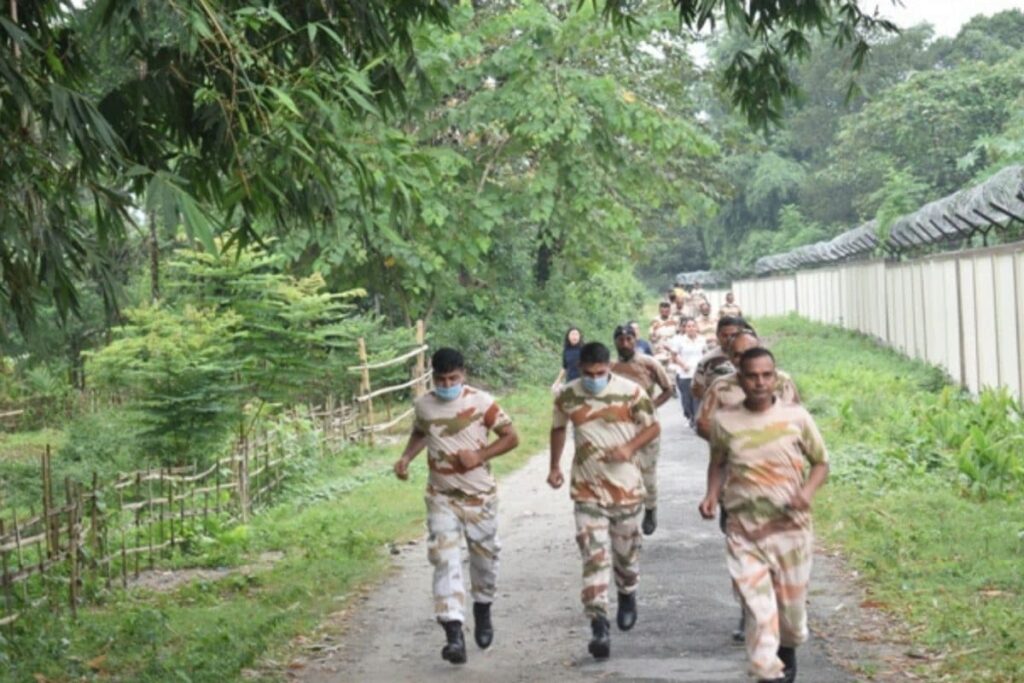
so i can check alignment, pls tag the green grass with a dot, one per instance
(921, 502)
(29, 445)
(333, 527)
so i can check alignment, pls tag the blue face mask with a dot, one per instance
(595, 385)
(448, 393)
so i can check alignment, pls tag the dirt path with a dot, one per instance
(686, 607)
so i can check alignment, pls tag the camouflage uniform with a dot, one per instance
(461, 503)
(713, 365)
(608, 495)
(769, 546)
(661, 331)
(648, 373)
(730, 310)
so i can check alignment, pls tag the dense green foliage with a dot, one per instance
(925, 494)
(928, 117)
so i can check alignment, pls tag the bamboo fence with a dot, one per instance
(88, 537)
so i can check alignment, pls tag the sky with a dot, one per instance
(947, 16)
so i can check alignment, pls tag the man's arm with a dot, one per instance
(706, 412)
(802, 499)
(661, 379)
(417, 442)
(555, 478)
(697, 385)
(643, 437)
(506, 441)
(716, 475)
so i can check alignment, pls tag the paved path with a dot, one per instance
(685, 603)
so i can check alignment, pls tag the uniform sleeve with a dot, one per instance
(708, 404)
(495, 417)
(719, 443)
(419, 422)
(811, 443)
(642, 409)
(698, 374)
(559, 418)
(790, 394)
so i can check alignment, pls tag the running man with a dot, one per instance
(716, 362)
(453, 422)
(650, 375)
(613, 419)
(707, 325)
(767, 462)
(730, 307)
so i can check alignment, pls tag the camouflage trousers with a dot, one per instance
(647, 460)
(450, 519)
(771, 577)
(609, 539)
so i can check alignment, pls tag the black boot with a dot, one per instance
(788, 657)
(455, 650)
(740, 634)
(626, 617)
(601, 644)
(650, 522)
(483, 631)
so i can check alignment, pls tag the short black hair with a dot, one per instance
(623, 331)
(731, 321)
(751, 354)
(594, 352)
(447, 360)
(664, 304)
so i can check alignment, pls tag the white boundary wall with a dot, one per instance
(960, 311)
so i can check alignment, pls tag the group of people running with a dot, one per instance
(767, 460)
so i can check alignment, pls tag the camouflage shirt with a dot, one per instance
(766, 457)
(645, 371)
(452, 426)
(714, 364)
(662, 331)
(730, 310)
(725, 392)
(602, 422)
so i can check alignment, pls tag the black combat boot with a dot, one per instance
(601, 644)
(788, 657)
(455, 650)
(483, 631)
(650, 522)
(626, 617)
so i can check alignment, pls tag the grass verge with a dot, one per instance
(925, 497)
(332, 528)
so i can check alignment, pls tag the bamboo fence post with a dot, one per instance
(8, 600)
(94, 527)
(124, 550)
(243, 482)
(170, 511)
(51, 538)
(364, 387)
(138, 521)
(421, 358)
(72, 547)
(19, 553)
(216, 487)
(149, 508)
(341, 422)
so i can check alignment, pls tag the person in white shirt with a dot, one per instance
(687, 349)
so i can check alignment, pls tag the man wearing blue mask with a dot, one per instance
(453, 423)
(613, 419)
